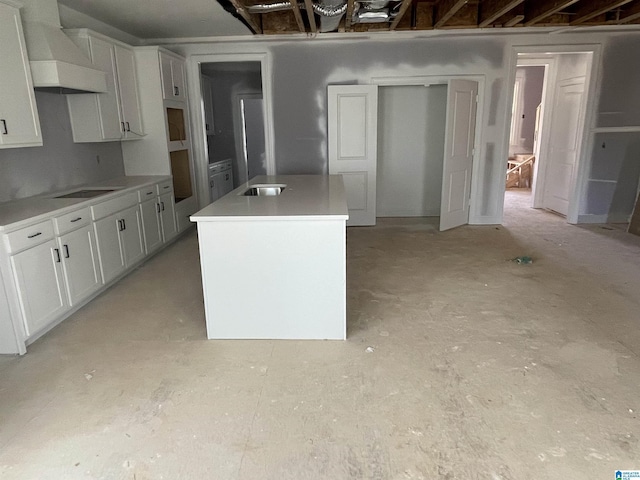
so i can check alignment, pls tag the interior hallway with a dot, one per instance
(481, 369)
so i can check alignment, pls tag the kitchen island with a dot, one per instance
(273, 259)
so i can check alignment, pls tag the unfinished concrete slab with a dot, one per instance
(459, 363)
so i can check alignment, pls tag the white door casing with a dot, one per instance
(352, 133)
(564, 143)
(462, 98)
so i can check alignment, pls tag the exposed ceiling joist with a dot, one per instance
(491, 10)
(298, 15)
(514, 21)
(447, 9)
(588, 10)
(246, 16)
(630, 14)
(312, 18)
(347, 20)
(538, 10)
(403, 9)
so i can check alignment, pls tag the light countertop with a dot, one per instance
(27, 210)
(305, 197)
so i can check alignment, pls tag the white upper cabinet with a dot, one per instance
(207, 104)
(173, 81)
(114, 115)
(19, 124)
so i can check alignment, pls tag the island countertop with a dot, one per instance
(308, 197)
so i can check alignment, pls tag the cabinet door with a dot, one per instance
(227, 182)
(167, 80)
(179, 84)
(80, 263)
(19, 124)
(40, 285)
(214, 187)
(109, 248)
(207, 104)
(168, 216)
(128, 88)
(149, 211)
(131, 235)
(103, 57)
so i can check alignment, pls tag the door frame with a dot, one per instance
(547, 101)
(426, 80)
(199, 141)
(588, 116)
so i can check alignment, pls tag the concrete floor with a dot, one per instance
(481, 369)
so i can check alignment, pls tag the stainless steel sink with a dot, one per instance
(264, 190)
(86, 193)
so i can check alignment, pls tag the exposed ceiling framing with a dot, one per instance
(312, 16)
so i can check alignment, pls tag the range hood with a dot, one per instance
(56, 62)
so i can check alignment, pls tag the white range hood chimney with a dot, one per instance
(56, 62)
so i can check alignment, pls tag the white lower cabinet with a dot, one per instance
(54, 264)
(119, 242)
(80, 264)
(40, 284)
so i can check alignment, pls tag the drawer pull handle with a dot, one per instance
(158, 207)
(128, 127)
(66, 251)
(76, 220)
(162, 206)
(4, 125)
(34, 235)
(165, 187)
(149, 193)
(58, 259)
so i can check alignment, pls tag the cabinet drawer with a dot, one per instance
(73, 220)
(110, 207)
(29, 236)
(147, 193)
(165, 187)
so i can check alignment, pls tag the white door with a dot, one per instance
(353, 123)
(109, 249)
(19, 124)
(563, 145)
(150, 211)
(40, 285)
(131, 235)
(458, 153)
(103, 57)
(80, 263)
(127, 83)
(168, 216)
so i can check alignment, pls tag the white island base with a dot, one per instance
(275, 267)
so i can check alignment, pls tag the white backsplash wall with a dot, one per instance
(59, 163)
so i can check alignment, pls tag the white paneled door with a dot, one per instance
(458, 153)
(353, 123)
(563, 145)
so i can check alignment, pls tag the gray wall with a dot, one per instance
(302, 69)
(59, 163)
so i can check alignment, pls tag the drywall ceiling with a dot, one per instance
(146, 19)
(156, 19)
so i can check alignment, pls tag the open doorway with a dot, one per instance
(411, 134)
(526, 116)
(233, 125)
(547, 136)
